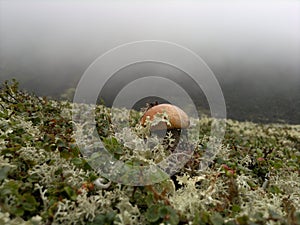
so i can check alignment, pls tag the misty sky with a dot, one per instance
(50, 41)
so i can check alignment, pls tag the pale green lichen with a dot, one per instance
(253, 177)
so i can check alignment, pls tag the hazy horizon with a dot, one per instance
(252, 47)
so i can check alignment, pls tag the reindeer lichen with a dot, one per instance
(252, 178)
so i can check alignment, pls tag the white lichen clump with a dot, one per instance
(245, 176)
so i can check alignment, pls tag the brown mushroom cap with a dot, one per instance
(177, 117)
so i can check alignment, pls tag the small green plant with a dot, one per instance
(44, 178)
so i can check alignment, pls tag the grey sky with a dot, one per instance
(59, 39)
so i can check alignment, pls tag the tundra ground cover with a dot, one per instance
(44, 179)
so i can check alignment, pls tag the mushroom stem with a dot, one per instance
(176, 134)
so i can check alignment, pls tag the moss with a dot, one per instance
(254, 177)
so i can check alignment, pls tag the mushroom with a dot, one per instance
(101, 183)
(178, 119)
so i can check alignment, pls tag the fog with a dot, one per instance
(252, 47)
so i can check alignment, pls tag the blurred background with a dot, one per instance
(253, 47)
